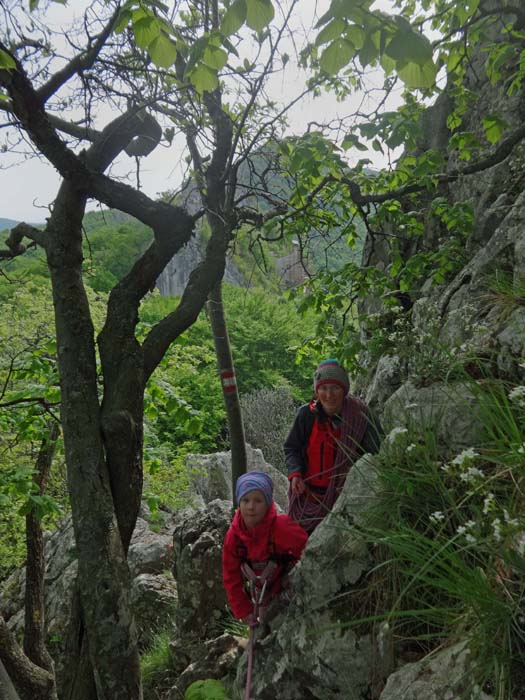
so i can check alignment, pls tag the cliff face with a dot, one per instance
(448, 342)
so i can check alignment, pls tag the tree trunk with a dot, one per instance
(103, 574)
(229, 384)
(34, 630)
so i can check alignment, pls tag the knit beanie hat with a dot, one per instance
(254, 480)
(331, 372)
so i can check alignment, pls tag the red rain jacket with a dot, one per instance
(276, 537)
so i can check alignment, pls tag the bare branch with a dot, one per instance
(79, 63)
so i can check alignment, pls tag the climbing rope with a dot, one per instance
(258, 587)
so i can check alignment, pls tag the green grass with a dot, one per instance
(450, 551)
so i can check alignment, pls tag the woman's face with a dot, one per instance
(253, 507)
(331, 397)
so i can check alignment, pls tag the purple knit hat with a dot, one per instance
(254, 480)
(331, 372)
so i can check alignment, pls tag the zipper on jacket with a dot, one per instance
(321, 459)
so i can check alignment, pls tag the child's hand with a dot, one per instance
(250, 620)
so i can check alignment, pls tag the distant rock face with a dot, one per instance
(174, 278)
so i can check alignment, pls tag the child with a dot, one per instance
(258, 542)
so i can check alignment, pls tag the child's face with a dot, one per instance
(253, 507)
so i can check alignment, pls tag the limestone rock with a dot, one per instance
(448, 408)
(154, 601)
(210, 475)
(446, 675)
(217, 659)
(197, 545)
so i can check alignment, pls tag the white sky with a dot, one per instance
(27, 188)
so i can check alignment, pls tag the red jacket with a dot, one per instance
(277, 536)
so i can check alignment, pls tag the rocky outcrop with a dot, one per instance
(309, 649)
(154, 590)
(200, 647)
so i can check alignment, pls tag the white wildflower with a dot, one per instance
(487, 503)
(411, 447)
(436, 517)
(470, 538)
(520, 544)
(470, 474)
(521, 450)
(470, 524)
(461, 530)
(465, 456)
(395, 433)
(517, 395)
(496, 527)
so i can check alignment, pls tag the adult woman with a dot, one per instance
(327, 436)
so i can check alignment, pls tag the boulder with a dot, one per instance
(447, 409)
(197, 545)
(154, 602)
(445, 675)
(210, 476)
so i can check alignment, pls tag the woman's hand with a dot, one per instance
(298, 485)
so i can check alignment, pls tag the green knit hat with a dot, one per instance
(331, 372)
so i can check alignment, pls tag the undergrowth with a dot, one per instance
(450, 550)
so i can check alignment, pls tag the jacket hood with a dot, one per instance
(256, 539)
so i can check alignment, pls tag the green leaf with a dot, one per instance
(417, 76)
(494, 127)
(356, 36)
(336, 56)
(330, 32)
(205, 690)
(197, 52)
(234, 18)
(123, 20)
(409, 46)
(204, 78)
(146, 30)
(352, 141)
(369, 51)
(215, 57)
(6, 61)
(163, 51)
(259, 13)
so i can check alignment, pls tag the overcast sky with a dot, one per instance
(28, 187)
